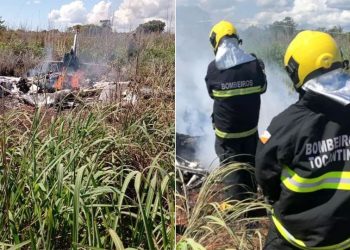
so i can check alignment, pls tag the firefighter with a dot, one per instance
(235, 80)
(303, 158)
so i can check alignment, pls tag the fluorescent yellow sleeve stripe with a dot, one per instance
(300, 244)
(225, 135)
(236, 92)
(332, 180)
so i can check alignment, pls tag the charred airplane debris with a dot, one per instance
(193, 173)
(65, 83)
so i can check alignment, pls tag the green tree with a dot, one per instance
(285, 28)
(335, 29)
(2, 24)
(87, 28)
(151, 26)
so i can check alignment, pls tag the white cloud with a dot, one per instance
(272, 2)
(99, 12)
(308, 14)
(128, 16)
(131, 13)
(76, 13)
(69, 14)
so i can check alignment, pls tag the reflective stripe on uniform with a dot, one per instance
(300, 244)
(236, 92)
(225, 135)
(332, 180)
(290, 238)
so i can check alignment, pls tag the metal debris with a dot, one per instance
(38, 93)
(194, 175)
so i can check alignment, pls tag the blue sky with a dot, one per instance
(44, 14)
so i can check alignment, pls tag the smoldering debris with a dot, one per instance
(192, 171)
(32, 92)
(67, 94)
(186, 146)
(193, 174)
(67, 83)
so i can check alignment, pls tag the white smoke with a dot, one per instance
(194, 107)
(193, 104)
(278, 96)
(44, 65)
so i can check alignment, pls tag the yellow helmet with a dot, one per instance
(220, 30)
(310, 54)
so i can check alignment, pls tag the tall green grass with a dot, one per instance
(216, 223)
(97, 177)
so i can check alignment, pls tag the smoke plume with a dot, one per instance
(193, 104)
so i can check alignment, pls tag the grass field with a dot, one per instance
(97, 176)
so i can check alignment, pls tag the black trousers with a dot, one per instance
(242, 182)
(275, 241)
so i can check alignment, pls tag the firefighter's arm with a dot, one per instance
(209, 88)
(261, 71)
(273, 150)
(267, 170)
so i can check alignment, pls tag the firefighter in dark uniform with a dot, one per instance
(303, 158)
(235, 80)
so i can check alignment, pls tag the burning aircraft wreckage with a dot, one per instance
(68, 83)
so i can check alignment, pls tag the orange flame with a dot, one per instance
(59, 83)
(75, 80)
